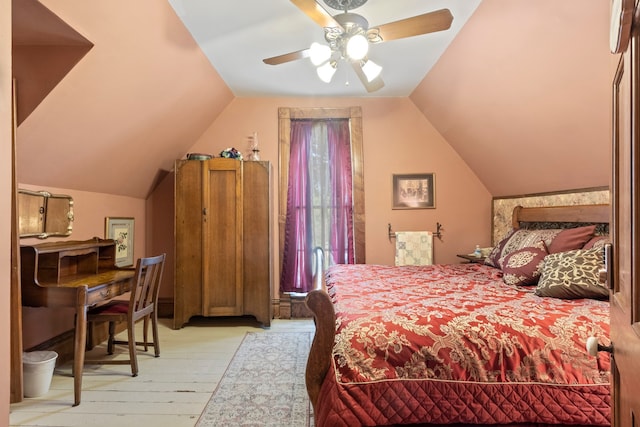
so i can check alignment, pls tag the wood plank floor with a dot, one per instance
(170, 391)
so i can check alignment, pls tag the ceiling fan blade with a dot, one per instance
(314, 11)
(287, 57)
(431, 22)
(371, 86)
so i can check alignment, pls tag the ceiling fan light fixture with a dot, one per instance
(371, 70)
(357, 47)
(326, 71)
(319, 53)
(348, 37)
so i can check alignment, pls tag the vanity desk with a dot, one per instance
(76, 274)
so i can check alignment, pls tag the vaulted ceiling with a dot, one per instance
(237, 39)
(522, 88)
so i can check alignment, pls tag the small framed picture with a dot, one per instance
(414, 191)
(121, 230)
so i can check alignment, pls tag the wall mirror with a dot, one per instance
(42, 214)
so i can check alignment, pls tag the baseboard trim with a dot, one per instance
(165, 308)
(61, 344)
(293, 306)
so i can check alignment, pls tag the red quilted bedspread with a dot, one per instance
(447, 344)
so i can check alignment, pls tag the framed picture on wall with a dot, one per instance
(414, 191)
(121, 230)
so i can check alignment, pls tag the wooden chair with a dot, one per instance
(142, 304)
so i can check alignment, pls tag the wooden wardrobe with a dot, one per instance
(223, 239)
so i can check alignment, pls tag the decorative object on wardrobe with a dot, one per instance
(254, 147)
(349, 37)
(198, 156)
(231, 153)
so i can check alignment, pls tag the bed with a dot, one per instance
(470, 344)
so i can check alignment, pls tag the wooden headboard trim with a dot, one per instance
(578, 213)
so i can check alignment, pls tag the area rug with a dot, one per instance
(264, 384)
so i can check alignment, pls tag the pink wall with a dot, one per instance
(159, 231)
(90, 210)
(5, 208)
(523, 95)
(397, 139)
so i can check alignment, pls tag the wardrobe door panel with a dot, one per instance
(257, 241)
(222, 238)
(188, 241)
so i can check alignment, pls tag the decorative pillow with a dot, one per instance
(496, 252)
(518, 239)
(596, 242)
(571, 239)
(572, 275)
(524, 266)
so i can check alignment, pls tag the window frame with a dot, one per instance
(354, 114)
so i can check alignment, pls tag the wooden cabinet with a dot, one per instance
(223, 239)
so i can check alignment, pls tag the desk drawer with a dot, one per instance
(106, 292)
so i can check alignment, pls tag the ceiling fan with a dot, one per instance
(348, 37)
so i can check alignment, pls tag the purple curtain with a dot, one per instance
(341, 230)
(296, 273)
(297, 258)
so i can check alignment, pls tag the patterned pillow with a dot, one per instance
(524, 266)
(597, 242)
(571, 239)
(572, 275)
(518, 239)
(496, 252)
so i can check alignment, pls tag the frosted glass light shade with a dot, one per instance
(319, 53)
(371, 70)
(357, 47)
(326, 71)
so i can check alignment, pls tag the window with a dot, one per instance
(354, 114)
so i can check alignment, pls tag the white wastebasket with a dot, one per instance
(38, 369)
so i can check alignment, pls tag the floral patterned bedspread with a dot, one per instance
(453, 344)
(460, 322)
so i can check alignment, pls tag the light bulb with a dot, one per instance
(319, 53)
(371, 70)
(357, 47)
(326, 71)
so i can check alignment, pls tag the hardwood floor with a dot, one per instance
(170, 391)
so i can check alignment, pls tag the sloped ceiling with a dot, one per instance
(44, 48)
(136, 102)
(522, 94)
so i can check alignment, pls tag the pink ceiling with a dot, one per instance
(135, 102)
(44, 50)
(523, 95)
